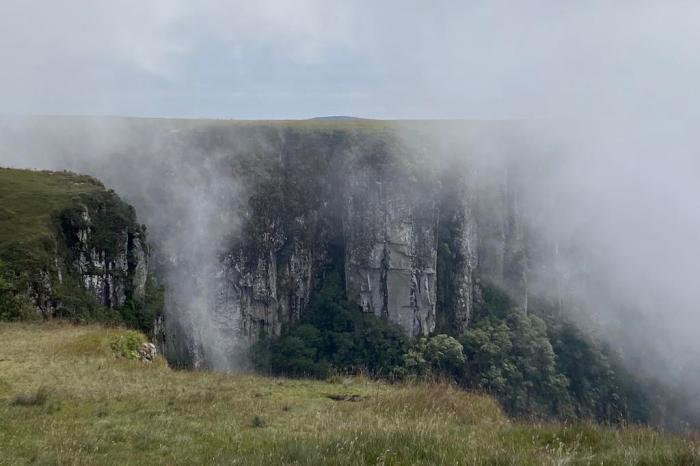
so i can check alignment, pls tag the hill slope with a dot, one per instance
(68, 248)
(65, 399)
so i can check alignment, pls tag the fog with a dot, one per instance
(606, 93)
(183, 192)
(619, 200)
(611, 214)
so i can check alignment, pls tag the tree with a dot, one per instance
(512, 358)
(437, 355)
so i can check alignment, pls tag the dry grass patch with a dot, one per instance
(440, 399)
(104, 410)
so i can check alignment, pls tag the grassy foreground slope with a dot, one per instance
(65, 399)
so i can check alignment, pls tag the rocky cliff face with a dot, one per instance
(111, 264)
(390, 224)
(458, 253)
(70, 248)
(414, 242)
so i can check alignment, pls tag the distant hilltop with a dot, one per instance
(337, 117)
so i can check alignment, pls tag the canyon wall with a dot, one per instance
(246, 219)
(413, 233)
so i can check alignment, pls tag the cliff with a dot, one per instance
(246, 218)
(413, 230)
(68, 248)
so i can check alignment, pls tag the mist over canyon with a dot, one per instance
(595, 219)
(349, 232)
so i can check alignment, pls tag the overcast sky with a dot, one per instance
(384, 59)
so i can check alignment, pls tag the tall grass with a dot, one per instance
(106, 410)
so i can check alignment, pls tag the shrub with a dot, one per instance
(437, 355)
(77, 305)
(13, 306)
(127, 344)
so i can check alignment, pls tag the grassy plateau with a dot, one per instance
(66, 399)
(28, 199)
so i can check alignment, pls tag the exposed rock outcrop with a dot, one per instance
(390, 229)
(147, 353)
(106, 249)
(82, 255)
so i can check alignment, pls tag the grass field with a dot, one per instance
(28, 199)
(65, 399)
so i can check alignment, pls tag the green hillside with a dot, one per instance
(60, 231)
(29, 198)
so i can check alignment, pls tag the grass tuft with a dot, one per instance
(257, 422)
(38, 397)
